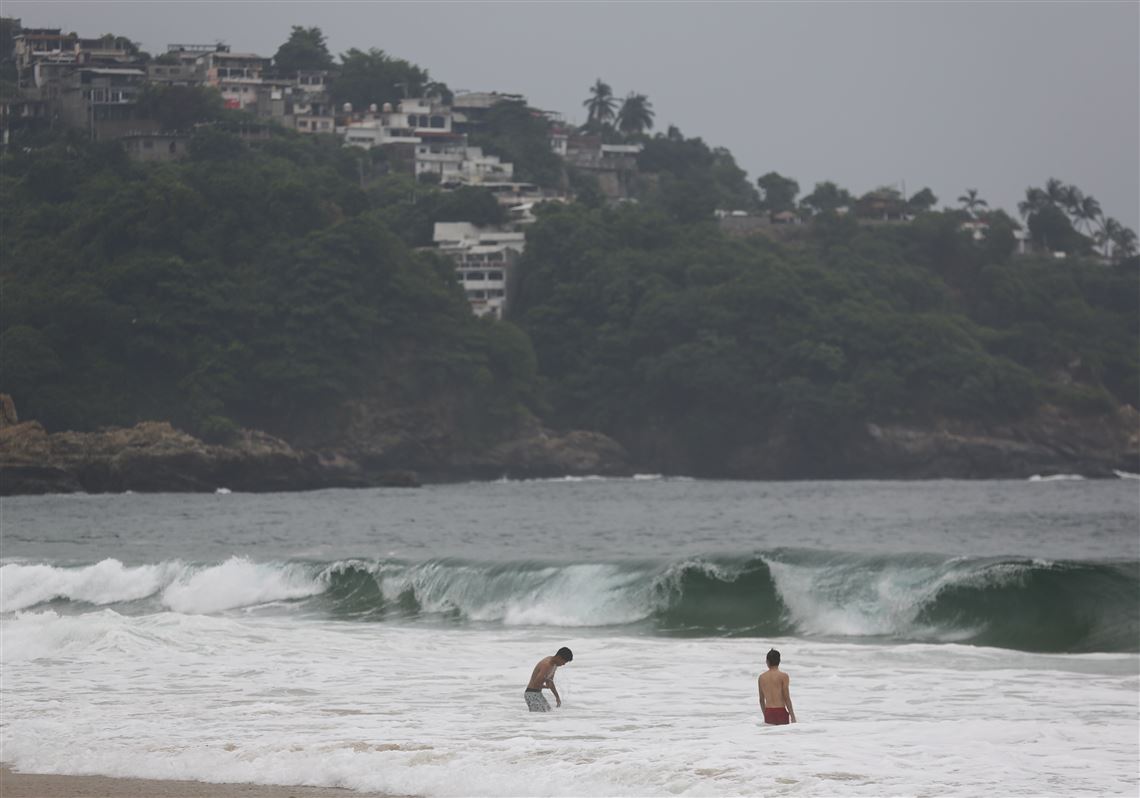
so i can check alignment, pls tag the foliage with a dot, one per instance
(648, 328)
(635, 115)
(693, 180)
(827, 196)
(520, 135)
(600, 106)
(239, 287)
(180, 107)
(778, 193)
(373, 77)
(305, 50)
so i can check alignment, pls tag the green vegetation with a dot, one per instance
(241, 287)
(269, 283)
(651, 330)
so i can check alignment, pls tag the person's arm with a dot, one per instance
(760, 690)
(788, 698)
(553, 689)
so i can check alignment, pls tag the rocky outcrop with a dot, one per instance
(401, 446)
(151, 456)
(1049, 442)
(154, 456)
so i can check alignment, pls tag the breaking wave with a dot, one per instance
(1018, 603)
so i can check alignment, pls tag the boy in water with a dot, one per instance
(775, 697)
(543, 676)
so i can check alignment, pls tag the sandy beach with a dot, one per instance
(32, 785)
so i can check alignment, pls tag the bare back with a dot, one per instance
(543, 672)
(774, 687)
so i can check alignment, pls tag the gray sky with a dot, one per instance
(995, 96)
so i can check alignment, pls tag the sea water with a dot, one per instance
(943, 638)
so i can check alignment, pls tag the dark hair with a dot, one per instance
(773, 657)
(565, 653)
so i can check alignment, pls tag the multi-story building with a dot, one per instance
(101, 99)
(181, 64)
(485, 260)
(237, 76)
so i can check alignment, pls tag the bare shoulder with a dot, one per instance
(785, 678)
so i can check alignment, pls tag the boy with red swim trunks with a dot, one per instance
(775, 697)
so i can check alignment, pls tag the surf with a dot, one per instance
(1017, 603)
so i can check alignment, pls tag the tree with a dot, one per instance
(1116, 240)
(1071, 198)
(922, 201)
(374, 77)
(970, 201)
(827, 197)
(180, 107)
(1050, 229)
(1054, 191)
(779, 192)
(1088, 211)
(304, 51)
(636, 114)
(600, 106)
(1035, 200)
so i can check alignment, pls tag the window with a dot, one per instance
(494, 275)
(148, 144)
(438, 121)
(476, 276)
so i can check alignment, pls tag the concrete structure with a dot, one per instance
(485, 260)
(236, 75)
(101, 99)
(470, 108)
(153, 147)
(613, 165)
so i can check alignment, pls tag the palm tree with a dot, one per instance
(1088, 211)
(636, 114)
(970, 200)
(1055, 191)
(1122, 239)
(1035, 200)
(1125, 243)
(1071, 198)
(600, 106)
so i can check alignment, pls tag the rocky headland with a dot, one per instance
(153, 456)
(406, 448)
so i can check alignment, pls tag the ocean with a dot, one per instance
(943, 638)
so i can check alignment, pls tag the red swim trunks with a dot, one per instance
(776, 716)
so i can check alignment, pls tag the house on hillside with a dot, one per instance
(238, 76)
(485, 259)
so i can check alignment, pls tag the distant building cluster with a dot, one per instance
(97, 85)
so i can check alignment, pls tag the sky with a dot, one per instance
(994, 96)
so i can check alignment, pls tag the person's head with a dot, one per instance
(773, 658)
(564, 654)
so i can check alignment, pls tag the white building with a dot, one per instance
(484, 258)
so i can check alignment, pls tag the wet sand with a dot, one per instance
(31, 785)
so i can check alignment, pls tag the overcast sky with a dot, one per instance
(995, 96)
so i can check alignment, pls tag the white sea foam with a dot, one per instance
(395, 709)
(238, 582)
(1056, 478)
(107, 582)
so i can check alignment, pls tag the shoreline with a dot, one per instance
(45, 785)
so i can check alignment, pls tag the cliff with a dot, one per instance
(378, 446)
(154, 456)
